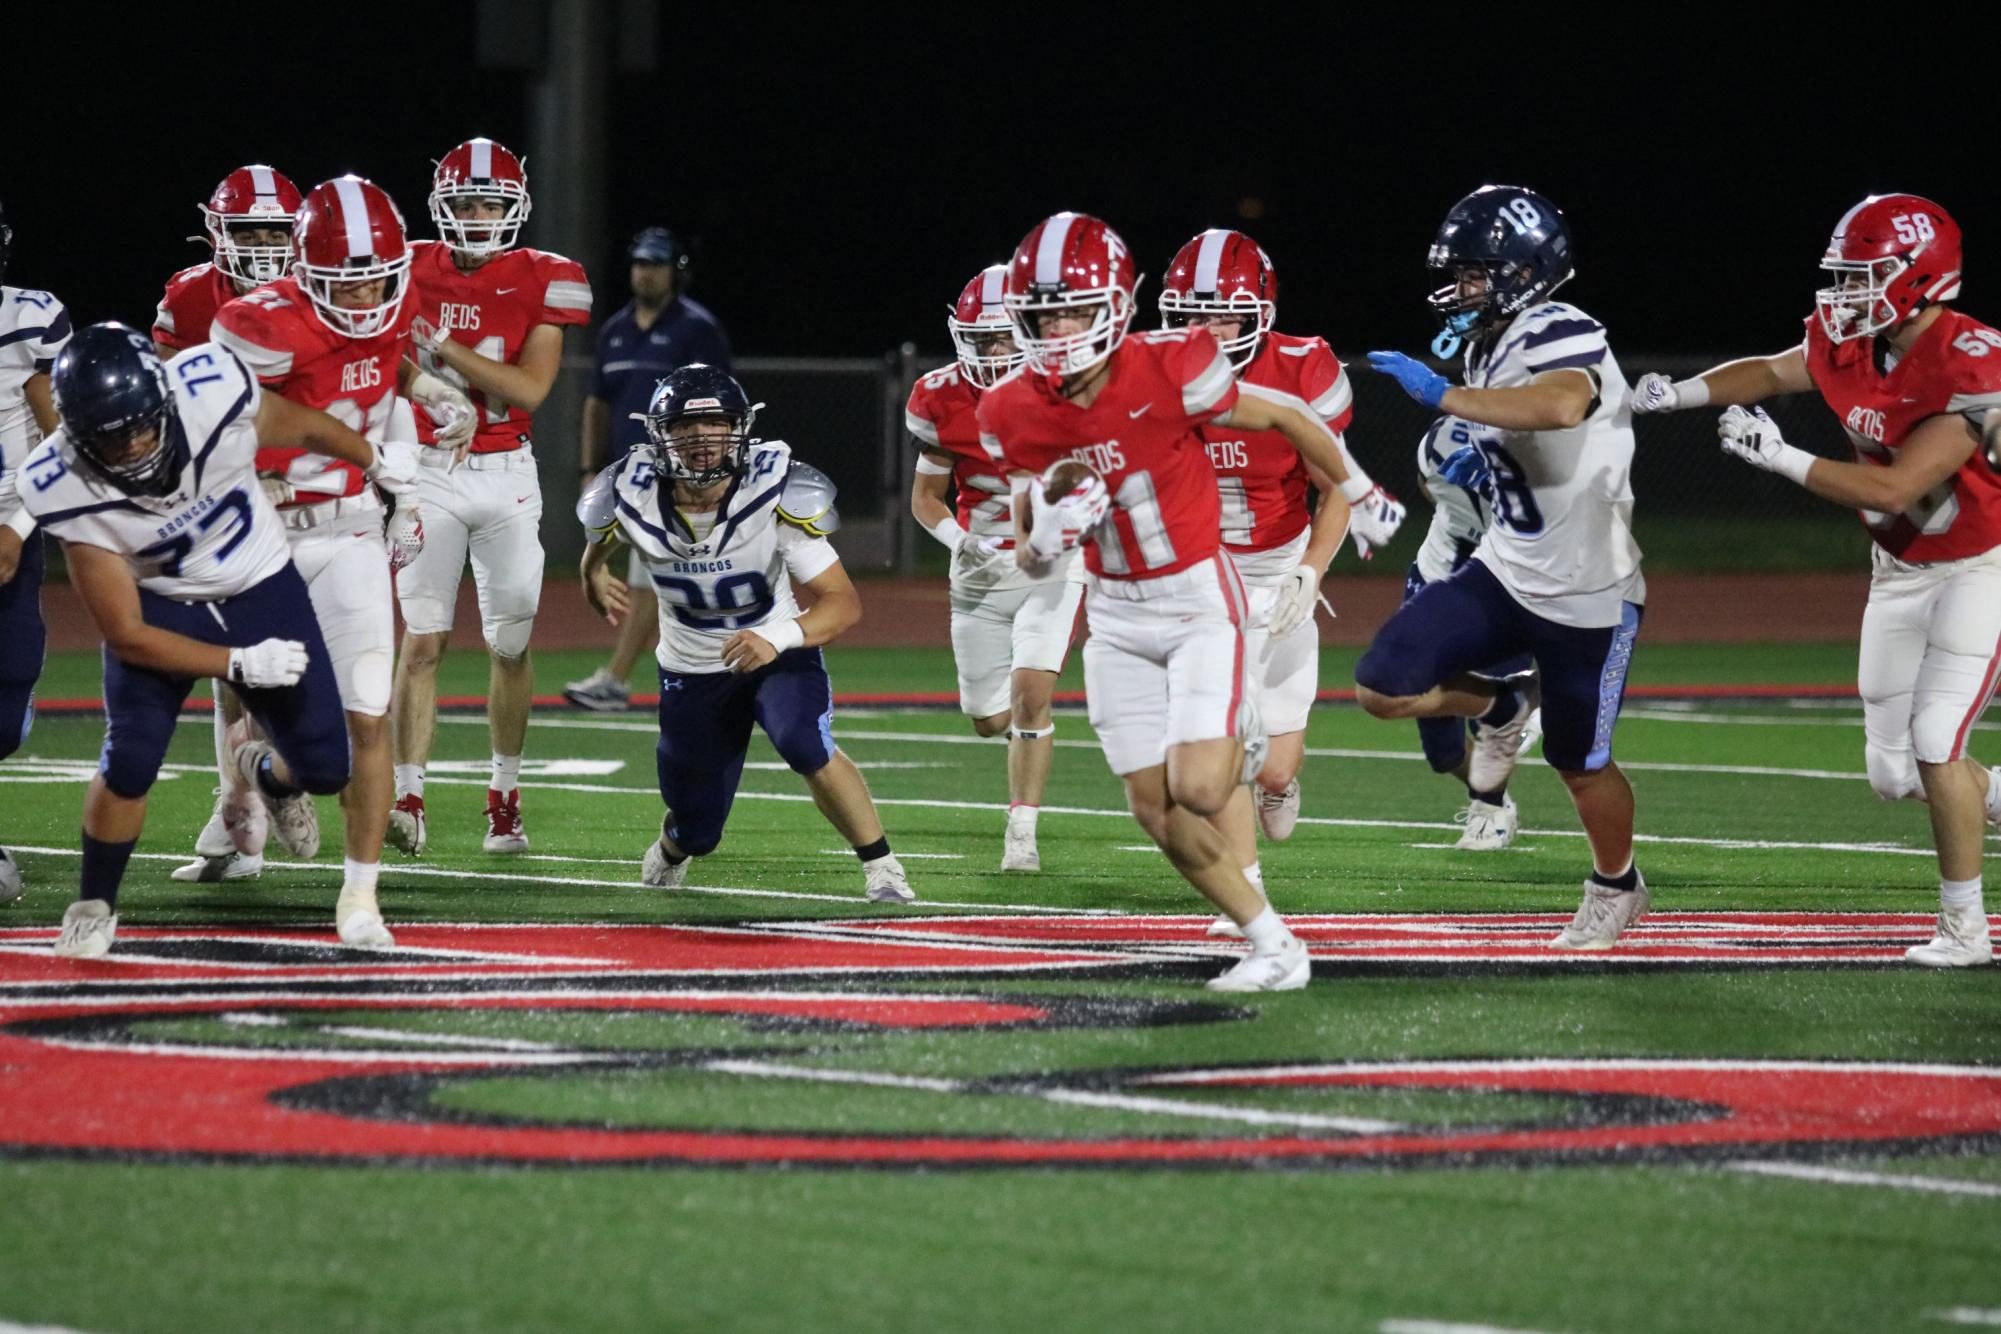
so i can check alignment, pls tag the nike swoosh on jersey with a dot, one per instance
(1139, 411)
(502, 291)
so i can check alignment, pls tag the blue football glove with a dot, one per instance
(1467, 469)
(1421, 382)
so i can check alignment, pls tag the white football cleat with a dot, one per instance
(1496, 748)
(1278, 812)
(600, 692)
(1018, 851)
(886, 882)
(88, 928)
(1531, 732)
(295, 821)
(1962, 941)
(1488, 827)
(10, 877)
(358, 920)
(1287, 968)
(1224, 929)
(659, 873)
(504, 832)
(231, 865)
(1604, 913)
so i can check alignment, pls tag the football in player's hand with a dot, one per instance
(1064, 476)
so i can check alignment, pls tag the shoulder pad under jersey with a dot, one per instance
(807, 500)
(597, 507)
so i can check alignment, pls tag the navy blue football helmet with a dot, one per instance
(698, 392)
(1518, 239)
(110, 390)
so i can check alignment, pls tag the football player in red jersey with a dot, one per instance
(1913, 382)
(1223, 281)
(333, 336)
(1164, 666)
(490, 319)
(1010, 630)
(248, 218)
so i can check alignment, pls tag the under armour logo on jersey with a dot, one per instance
(670, 683)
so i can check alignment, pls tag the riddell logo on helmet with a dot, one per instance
(1866, 422)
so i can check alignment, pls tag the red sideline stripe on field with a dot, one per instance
(942, 699)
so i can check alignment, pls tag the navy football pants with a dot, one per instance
(22, 640)
(705, 722)
(304, 721)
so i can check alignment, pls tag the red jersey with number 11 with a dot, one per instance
(1954, 367)
(1143, 433)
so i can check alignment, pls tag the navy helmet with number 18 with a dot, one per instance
(1517, 238)
(694, 393)
(111, 393)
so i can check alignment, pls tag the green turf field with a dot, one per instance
(1161, 1181)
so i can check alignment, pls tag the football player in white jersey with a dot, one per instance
(724, 524)
(1557, 575)
(34, 328)
(151, 486)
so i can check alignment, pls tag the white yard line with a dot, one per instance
(1841, 1176)
(1448, 1327)
(1966, 1315)
(438, 872)
(1069, 1097)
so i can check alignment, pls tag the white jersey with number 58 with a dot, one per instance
(216, 535)
(1560, 536)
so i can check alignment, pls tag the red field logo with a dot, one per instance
(280, 1046)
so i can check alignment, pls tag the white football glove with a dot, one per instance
(427, 335)
(1061, 524)
(1654, 392)
(1296, 597)
(1373, 521)
(405, 535)
(452, 414)
(276, 489)
(395, 467)
(1754, 437)
(275, 662)
(978, 556)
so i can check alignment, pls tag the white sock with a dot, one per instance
(506, 773)
(360, 875)
(410, 780)
(230, 779)
(1023, 814)
(1960, 895)
(1267, 932)
(1256, 875)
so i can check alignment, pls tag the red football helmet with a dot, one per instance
(1891, 256)
(349, 232)
(978, 324)
(254, 196)
(1223, 274)
(479, 169)
(1069, 262)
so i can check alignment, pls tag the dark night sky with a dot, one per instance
(845, 176)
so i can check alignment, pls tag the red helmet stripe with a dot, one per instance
(354, 213)
(1049, 251)
(1209, 260)
(482, 159)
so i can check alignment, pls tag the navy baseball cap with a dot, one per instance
(657, 245)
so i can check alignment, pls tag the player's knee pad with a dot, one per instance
(1395, 668)
(369, 679)
(1444, 742)
(1031, 733)
(322, 769)
(1938, 730)
(695, 838)
(130, 767)
(424, 615)
(1893, 771)
(507, 637)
